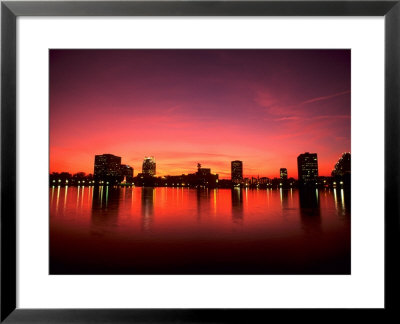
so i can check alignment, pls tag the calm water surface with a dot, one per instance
(188, 231)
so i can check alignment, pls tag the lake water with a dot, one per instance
(105, 230)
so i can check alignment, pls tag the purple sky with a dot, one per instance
(263, 107)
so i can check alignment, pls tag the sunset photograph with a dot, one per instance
(199, 161)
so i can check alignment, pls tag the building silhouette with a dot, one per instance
(283, 173)
(106, 166)
(204, 172)
(126, 172)
(149, 166)
(205, 178)
(108, 170)
(343, 166)
(307, 167)
(341, 174)
(236, 171)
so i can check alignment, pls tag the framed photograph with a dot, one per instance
(213, 194)
(187, 161)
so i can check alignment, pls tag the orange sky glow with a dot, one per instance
(263, 107)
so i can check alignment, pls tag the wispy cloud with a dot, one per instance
(325, 97)
(287, 118)
(331, 117)
(286, 111)
(323, 117)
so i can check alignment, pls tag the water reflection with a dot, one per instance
(157, 230)
(237, 205)
(58, 197)
(347, 198)
(310, 213)
(52, 196)
(105, 206)
(203, 202)
(342, 200)
(65, 198)
(284, 196)
(147, 208)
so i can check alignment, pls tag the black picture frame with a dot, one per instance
(10, 10)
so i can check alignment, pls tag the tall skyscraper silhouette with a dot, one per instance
(106, 165)
(307, 167)
(149, 166)
(237, 171)
(283, 173)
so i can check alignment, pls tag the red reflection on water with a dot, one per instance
(182, 230)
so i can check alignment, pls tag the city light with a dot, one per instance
(109, 170)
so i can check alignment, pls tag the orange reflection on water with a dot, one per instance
(141, 230)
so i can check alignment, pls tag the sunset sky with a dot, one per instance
(184, 107)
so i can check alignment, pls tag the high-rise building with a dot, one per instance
(307, 167)
(149, 166)
(343, 166)
(106, 166)
(126, 171)
(236, 171)
(283, 173)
